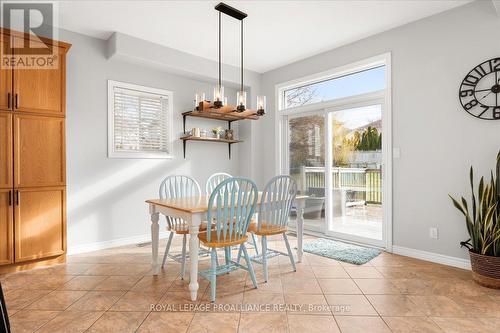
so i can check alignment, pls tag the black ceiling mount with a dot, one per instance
(231, 11)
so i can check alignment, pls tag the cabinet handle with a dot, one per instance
(17, 107)
(17, 197)
(10, 198)
(8, 100)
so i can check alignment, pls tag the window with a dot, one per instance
(357, 83)
(139, 121)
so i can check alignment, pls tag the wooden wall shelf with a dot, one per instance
(195, 138)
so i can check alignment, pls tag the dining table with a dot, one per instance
(193, 211)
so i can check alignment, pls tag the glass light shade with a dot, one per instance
(241, 99)
(198, 98)
(225, 101)
(218, 93)
(261, 104)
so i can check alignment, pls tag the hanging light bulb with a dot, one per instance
(261, 105)
(218, 96)
(241, 98)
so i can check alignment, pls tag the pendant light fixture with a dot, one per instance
(220, 101)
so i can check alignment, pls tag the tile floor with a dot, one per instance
(113, 291)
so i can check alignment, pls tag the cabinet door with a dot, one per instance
(6, 227)
(41, 90)
(5, 150)
(5, 76)
(40, 223)
(39, 154)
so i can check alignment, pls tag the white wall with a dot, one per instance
(106, 196)
(438, 139)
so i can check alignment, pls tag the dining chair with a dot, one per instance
(215, 180)
(272, 219)
(232, 204)
(179, 187)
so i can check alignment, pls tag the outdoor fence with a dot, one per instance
(364, 183)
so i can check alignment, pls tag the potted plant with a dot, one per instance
(216, 131)
(482, 218)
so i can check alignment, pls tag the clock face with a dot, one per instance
(480, 91)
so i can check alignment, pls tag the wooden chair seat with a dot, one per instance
(222, 243)
(183, 228)
(266, 229)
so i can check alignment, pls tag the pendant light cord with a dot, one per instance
(220, 67)
(241, 56)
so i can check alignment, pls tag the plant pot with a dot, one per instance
(485, 270)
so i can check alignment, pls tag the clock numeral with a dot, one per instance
(496, 112)
(495, 64)
(465, 93)
(480, 70)
(485, 108)
(471, 104)
(471, 80)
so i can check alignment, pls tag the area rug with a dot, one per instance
(346, 252)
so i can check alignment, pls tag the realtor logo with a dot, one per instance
(35, 19)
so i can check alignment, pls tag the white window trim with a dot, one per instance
(138, 155)
(383, 96)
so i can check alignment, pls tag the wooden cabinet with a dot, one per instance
(32, 162)
(39, 223)
(39, 151)
(41, 90)
(5, 77)
(6, 227)
(6, 150)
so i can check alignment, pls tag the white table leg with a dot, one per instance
(155, 239)
(300, 227)
(194, 246)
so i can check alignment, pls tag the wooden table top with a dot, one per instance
(194, 204)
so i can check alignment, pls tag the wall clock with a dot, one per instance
(480, 91)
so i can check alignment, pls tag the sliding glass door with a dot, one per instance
(355, 167)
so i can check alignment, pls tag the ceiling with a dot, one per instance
(276, 32)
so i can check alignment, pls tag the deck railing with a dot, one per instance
(364, 183)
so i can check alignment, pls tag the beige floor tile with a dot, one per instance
(137, 301)
(166, 322)
(97, 301)
(273, 285)
(478, 305)
(119, 322)
(468, 325)
(307, 304)
(263, 322)
(83, 283)
(339, 286)
(398, 272)
(417, 286)
(21, 298)
(71, 321)
(235, 299)
(440, 306)
(411, 325)
(377, 286)
(315, 260)
(57, 300)
(311, 324)
(30, 320)
(214, 322)
(175, 299)
(350, 305)
(118, 283)
(394, 305)
(358, 324)
(254, 298)
(452, 287)
(363, 272)
(153, 283)
(308, 285)
(329, 272)
(103, 269)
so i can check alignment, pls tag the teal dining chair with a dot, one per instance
(272, 219)
(173, 187)
(231, 206)
(215, 180)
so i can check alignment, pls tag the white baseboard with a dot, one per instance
(433, 257)
(84, 248)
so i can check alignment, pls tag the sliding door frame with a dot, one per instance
(382, 97)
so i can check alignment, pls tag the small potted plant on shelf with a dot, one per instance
(216, 131)
(482, 218)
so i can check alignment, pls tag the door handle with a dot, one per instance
(17, 197)
(8, 100)
(10, 198)
(17, 99)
